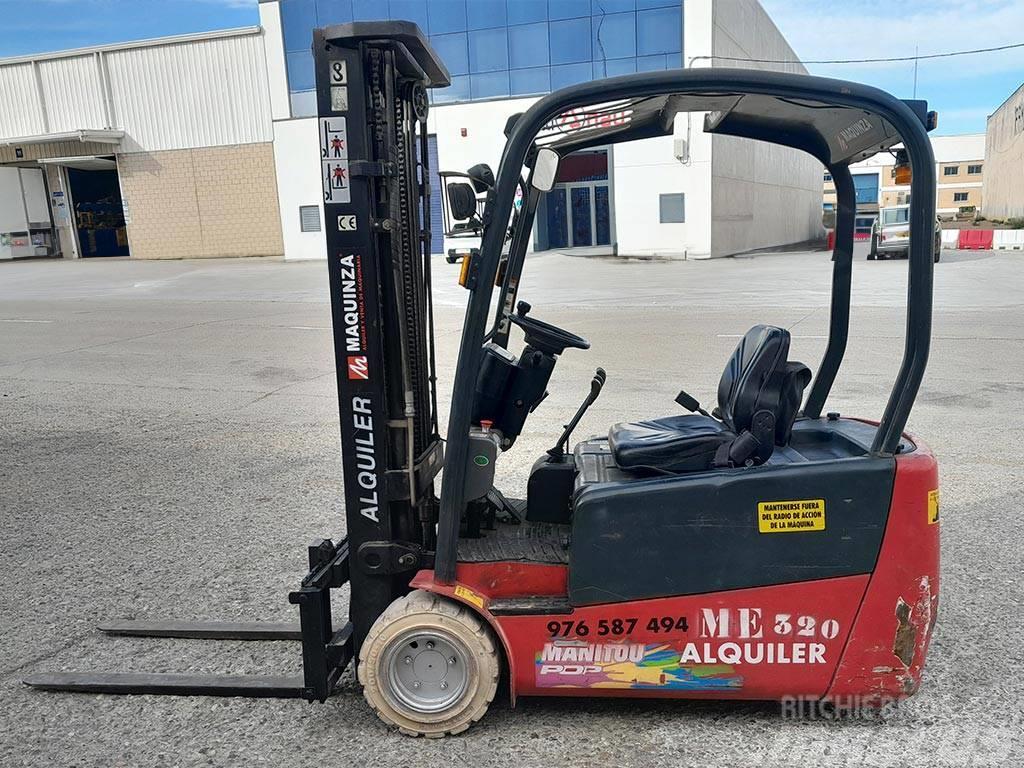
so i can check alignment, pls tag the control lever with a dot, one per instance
(596, 384)
(691, 403)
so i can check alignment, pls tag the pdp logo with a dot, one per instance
(358, 368)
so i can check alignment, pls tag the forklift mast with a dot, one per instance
(372, 104)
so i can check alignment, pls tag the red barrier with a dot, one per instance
(975, 240)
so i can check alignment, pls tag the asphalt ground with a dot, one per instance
(169, 445)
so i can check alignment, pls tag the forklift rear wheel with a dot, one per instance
(429, 666)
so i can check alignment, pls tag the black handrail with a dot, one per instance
(839, 309)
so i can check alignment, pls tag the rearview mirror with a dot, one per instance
(545, 167)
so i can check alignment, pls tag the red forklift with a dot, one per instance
(762, 548)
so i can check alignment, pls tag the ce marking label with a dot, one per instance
(347, 223)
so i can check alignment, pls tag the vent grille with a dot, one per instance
(309, 218)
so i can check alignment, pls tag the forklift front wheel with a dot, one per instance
(429, 666)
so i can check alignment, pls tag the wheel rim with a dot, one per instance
(427, 671)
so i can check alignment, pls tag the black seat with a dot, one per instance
(758, 398)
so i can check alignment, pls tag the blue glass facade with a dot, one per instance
(503, 48)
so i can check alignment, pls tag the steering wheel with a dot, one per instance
(544, 336)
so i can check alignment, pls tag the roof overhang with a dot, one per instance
(82, 163)
(83, 135)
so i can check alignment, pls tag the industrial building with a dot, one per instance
(1004, 146)
(960, 172)
(693, 194)
(205, 145)
(153, 149)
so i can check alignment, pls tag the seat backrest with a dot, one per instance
(753, 376)
(795, 379)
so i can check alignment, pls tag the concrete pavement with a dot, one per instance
(168, 445)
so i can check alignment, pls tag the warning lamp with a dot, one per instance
(901, 173)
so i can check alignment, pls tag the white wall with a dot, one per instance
(763, 195)
(641, 170)
(1004, 160)
(201, 94)
(483, 143)
(273, 43)
(646, 169)
(297, 162)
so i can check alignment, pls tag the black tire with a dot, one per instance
(873, 250)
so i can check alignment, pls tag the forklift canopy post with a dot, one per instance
(836, 121)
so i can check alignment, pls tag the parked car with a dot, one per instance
(890, 234)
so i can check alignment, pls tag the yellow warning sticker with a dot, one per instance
(469, 595)
(791, 516)
(933, 506)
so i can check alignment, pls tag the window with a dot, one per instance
(951, 170)
(570, 41)
(672, 208)
(457, 91)
(974, 170)
(446, 15)
(524, 47)
(409, 10)
(298, 17)
(570, 74)
(301, 70)
(614, 67)
(520, 12)
(659, 30)
(454, 52)
(828, 177)
(529, 82)
(960, 197)
(303, 103)
(895, 216)
(614, 36)
(568, 9)
(528, 45)
(309, 218)
(488, 85)
(485, 15)
(488, 51)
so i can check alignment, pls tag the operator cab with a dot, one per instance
(759, 396)
(671, 505)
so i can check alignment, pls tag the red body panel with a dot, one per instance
(887, 648)
(863, 636)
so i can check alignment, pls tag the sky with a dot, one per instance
(964, 90)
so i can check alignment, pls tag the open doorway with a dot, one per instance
(98, 211)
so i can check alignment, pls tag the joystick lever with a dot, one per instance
(596, 384)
